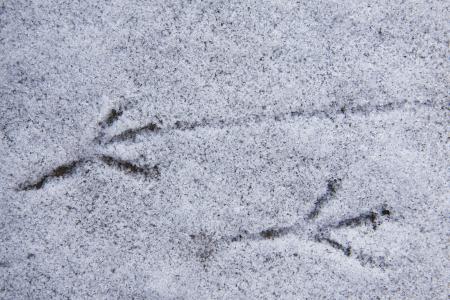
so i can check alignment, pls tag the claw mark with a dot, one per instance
(113, 116)
(370, 218)
(364, 259)
(329, 112)
(332, 187)
(61, 171)
(367, 218)
(385, 212)
(266, 234)
(272, 233)
(336, 245)
(68, 169)
(129, 167)
(187, 125)
(132, 133)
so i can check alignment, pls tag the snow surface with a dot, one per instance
(224, 149)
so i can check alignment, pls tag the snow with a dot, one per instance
(223, 150)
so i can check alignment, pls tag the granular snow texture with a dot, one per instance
(224, 149)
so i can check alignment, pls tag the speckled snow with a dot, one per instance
(224, 149)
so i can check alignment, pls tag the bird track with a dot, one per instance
(69, 168)
(319, 234)
(330, 112)
(157, 127)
